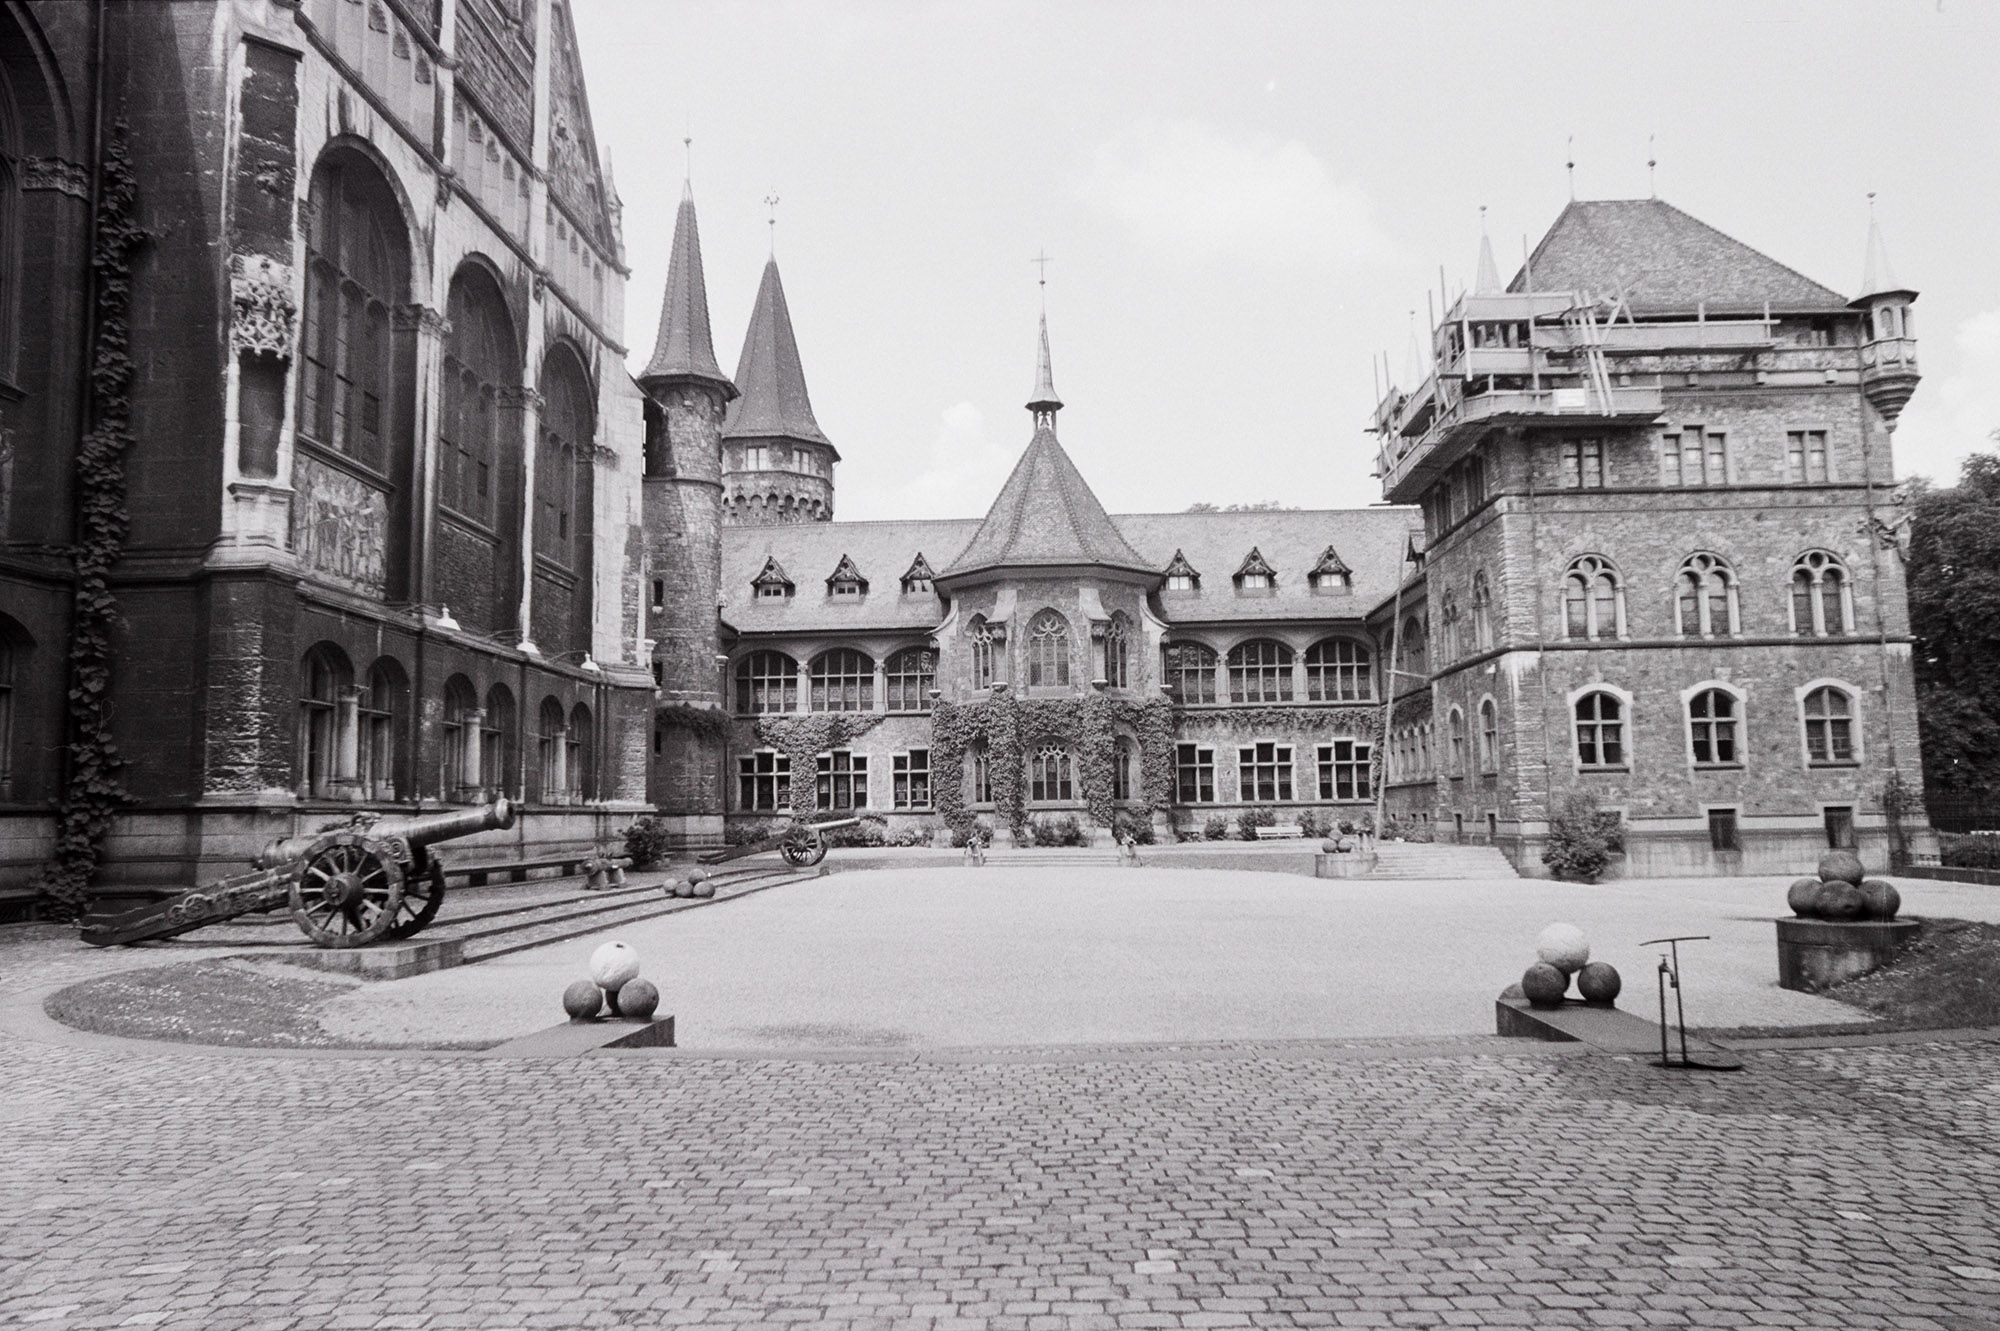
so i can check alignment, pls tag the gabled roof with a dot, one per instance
(876, 545)
(685, 348)
(919, 570)
(1178, 567)
(1288, 539)
(845, 571)
(774, 404)
(1255, 565)
(1664, 261)
(772, 574)
(1046, 516)
(1331, 565)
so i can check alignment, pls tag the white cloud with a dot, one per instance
(1187, 189)
(959, 478)
(1956, 414)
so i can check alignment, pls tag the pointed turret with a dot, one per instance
(778, 464)
(685, 349)
(1488, 281)
(1876, 274)
(1889, 372)
(1045, 404)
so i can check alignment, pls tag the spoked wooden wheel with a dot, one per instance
(423, 893)
(346, 891)
(803, 848)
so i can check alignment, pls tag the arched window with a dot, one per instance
(1829, 718)
(552, 750)
(1822, 600)
(498, 756)
(1189, 669)
(480, 364)
(1482, 612)
(988, 652)
(325, 689)
(1337, 670)
(1049, 776)
(563, 471)
(1118, 651)
(982, 773)
(1450, 645)
(458, 756)
(1413, 648)
(1260, 671)
(1712, 729)
(1489, 736)
(1048, 650)
(843, 680)
(1600, 731)
(1121, 768)
(380, 717)
(1593, 600)
(580, 755)
(766, 682)
(1456, 724)
(357, 273)
(1705, 597)
(910, 676)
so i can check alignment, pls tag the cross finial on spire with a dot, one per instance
(1652, 161)
(1571, 165)
(771, 203)
(1042, 260)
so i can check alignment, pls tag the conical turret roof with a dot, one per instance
(774, 404)
(1046, 516)
(685, 348)
(1877, 277)
(1045, 398)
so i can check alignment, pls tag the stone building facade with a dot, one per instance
(384, 490)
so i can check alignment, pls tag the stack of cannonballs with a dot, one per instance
(1840, 893)
(1565, 951)
(614, 988)
(696, 884)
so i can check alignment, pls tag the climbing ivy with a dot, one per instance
(92, 791)
(708, 723)
(803, 738)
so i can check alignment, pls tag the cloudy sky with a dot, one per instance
(1245, 201)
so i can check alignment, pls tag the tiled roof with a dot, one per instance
(1664, 261)
(774, 404)
(685, 347)
(880, 551)
(1047, 516)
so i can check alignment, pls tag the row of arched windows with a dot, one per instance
(840, 680)
(1262, 670)
(1049, 661)
(1705, 600)
(354, 738)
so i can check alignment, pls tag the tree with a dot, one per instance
(1953, 573)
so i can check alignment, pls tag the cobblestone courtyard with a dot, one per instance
(1457, 1182)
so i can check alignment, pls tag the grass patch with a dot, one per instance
(1949, 977)
(217, 1000)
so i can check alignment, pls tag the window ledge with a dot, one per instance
(1737, 767)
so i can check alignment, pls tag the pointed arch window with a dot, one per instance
(563, 464)
(843, 680)
(1822, 599)
(497, 746)
(459, 760)
(1121, 769)
(551, 751)
(1593, 600)
(1050, 780)
(1260, 671)
(1600, 731)
(1414, 651)
(1489, 736)
(1482, 612)
(1829, 721)
(1048, 650)
(1118, 652)
(909, 678)
(766, 682)
(379, 714)
(325, 697)
(1455, 729)
(989, 656)
(1338, 670)
(580, 755)
(1450, 648)
(1713, 719)
(480, 365)
(1189, 668)
(1705, 597)
(357, 272)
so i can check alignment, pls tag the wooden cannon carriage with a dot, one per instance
(802, 844)
(349, 883)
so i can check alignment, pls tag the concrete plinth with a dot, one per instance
(1817, 954)
(1339, 864)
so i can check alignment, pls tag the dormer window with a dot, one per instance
(773, 591)
(846, 589)
(771, 583)
(1181, 576)
(1331, 573)
(846, 580)
(917, 582)
(1256, 575)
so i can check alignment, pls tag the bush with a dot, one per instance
(1138, 826)
(1216, 828)
(911, 834)
(646, 842)
(1250, 820)
(979, 826)
(1405, 829)
(1313, 824)
(1064, 830)
(741, 832)
(1969, 851)
(1581, 842)
(872, 830)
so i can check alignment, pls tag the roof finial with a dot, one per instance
(1044, 404)
(1042, 262)
(1487, 281)
(771, 204)
(687, 147)
(1571, 165)
(1652, 161)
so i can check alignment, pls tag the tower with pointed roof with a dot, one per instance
(687, 396)
(777, 465)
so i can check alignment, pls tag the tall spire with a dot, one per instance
(1488, 282)
(774, 404)
(1045, 404)
(685, 349)
(1876, 274)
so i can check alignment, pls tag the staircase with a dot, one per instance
(1405, 859)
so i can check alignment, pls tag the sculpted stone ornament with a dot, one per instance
(263, 310)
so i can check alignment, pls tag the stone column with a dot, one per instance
(347, 743)
(881, 686)
(558, 774)
(527, 402)
(427, 329)
(471, 763)
(1298, 677)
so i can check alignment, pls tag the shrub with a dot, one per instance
(1313, 824)
(1216, 828)
(872, 830)
(1969, 851)
(1137, 826)
(911, 834)
(980, 826)
(1580, 842)
(646, 842)
(1250, 820)
(741, 832)
(1064, 830)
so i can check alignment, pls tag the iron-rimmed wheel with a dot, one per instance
(423, 894)
(346, 891)
(803, 848)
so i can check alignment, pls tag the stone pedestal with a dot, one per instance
(1343, 864)
(1817, 954)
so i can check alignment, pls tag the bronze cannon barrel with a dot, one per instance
(421, 830)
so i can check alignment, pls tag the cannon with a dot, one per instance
(802, 844)
(349, 883)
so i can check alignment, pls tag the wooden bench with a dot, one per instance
(517, 871)
(1279, 834)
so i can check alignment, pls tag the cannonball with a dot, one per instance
(583, 1000)
(1543, 985)
(685, 889)
(1840, 866)
(704, 888)
(1599, 982)
(697, 875)
(1839, 901)
(1564, 947)
(638, 999)
(1803, 897)
(1879, 900)
(671, 887)
(613, 965)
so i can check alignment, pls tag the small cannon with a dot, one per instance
(802, 844)
(347, 884)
